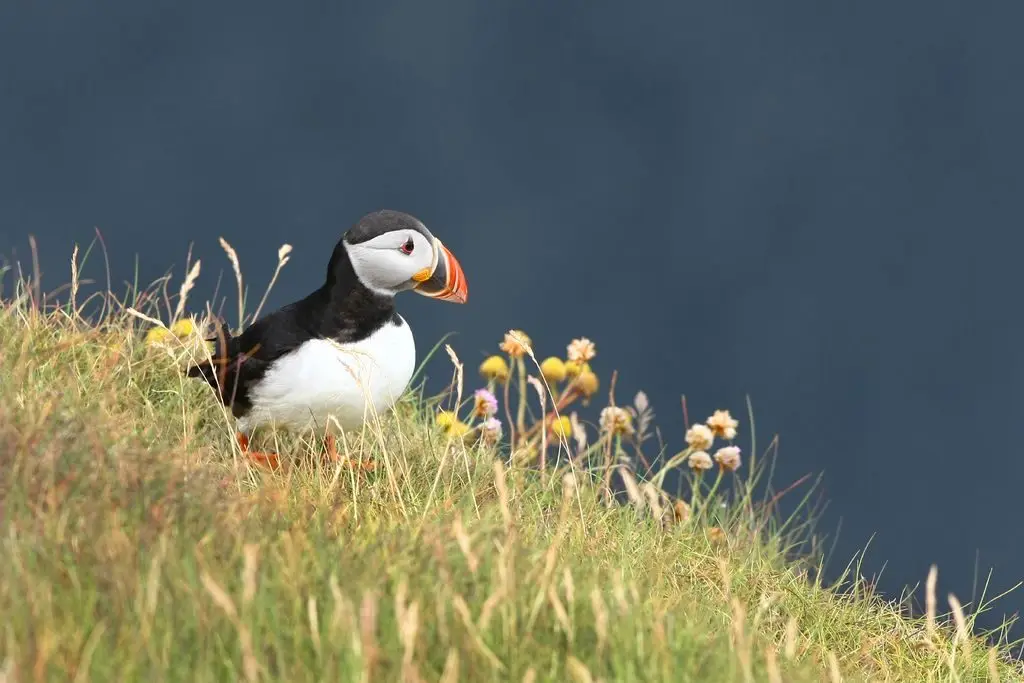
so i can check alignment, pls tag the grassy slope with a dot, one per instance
(138, 545)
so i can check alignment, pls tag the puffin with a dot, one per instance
(342, 353)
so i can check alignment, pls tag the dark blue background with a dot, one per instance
(815, 203)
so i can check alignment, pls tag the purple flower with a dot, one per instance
(484, 403)
(490, 429)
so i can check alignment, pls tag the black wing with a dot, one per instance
(239, 362)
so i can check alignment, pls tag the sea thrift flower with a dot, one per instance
(484, 403)
(615, 420)
(723, 424)
(581, 350)
(494, 367)
(700, 461)
(516, 343)
(490, 430)
(561, 427)
(681, 511)
(553, 369)
(728, 458)
(699, 437)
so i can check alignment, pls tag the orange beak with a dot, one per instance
(447, 281)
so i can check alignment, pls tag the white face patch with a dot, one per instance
(386, 263)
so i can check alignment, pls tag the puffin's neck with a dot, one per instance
(350, 310)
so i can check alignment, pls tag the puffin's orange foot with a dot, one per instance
(271, 460)
(334, 456)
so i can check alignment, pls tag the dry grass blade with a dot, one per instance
(930, 602)
(74, 282)
(963, 637)
(186, 287)
(771, 665)
(835, 675)
(450, 674)
(142, 316)
(993, 665)
(220, 596)
(600, 620)
(282, 260)
(462, 538)
(250, 553)
(792, 638)
(578, 671)
(236, 266)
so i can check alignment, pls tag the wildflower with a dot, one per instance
(494, 367)
(574, 368)
(723, 424)
(484, 403)
(516, 343)
(445, 419)
(562, 427)
(728, 458)
(716, 535)
(587, 383)
(615, 420)
(490, 430)
(553, 369)
(157, 335)
(581, 350)
(699, 437)
(700, 461)
(525, 454)
(183, 328)
(458, 428)
(681, 511)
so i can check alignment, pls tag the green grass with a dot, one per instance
(138, 544)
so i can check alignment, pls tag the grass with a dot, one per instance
(138, 543)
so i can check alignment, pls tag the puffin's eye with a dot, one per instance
(408, 246)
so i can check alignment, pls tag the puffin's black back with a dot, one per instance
(342, 309)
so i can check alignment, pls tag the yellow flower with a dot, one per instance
(183, 328)
(447, 421)
(615, 420)
(494, 367)
(588, 383)
(516, 343)
(553, 369)
(699, 437)
(581, 350)
(458, 428)
(157, 335)
(562, 427)
(573, 368)
(723, 424)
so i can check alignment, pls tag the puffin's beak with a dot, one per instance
(445, 280)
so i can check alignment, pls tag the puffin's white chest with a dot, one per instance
(322, 378)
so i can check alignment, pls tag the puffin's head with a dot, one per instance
(391, 252)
